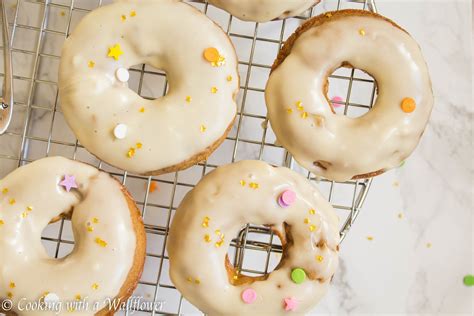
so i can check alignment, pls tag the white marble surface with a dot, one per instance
(413, 265)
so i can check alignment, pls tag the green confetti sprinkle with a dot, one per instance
(468, 280)
(298, 275)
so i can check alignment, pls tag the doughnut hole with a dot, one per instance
(253, 254)
(351, 92)
(58, 239)
(148, 82)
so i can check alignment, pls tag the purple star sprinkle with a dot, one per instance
(69, 182)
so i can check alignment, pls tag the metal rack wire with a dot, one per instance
(36, 100)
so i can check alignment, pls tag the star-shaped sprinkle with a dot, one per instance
(69, 183)
(290, 304)
(115, 52)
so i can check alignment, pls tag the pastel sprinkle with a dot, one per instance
(249, 296)
(95, 286)
(298, 275)
(211, 54)
(337, 101)
(468, 280)
(290, 304)
(362, 32)
(115, 52)
(214, 90)
(408, 105)
(91, 64)
(122, 74)
(120, 131)
(69, 182)
(319, 258)
(287, 198)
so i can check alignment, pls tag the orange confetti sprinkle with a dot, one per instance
(211, 54)
(408, 105)
(153, 187)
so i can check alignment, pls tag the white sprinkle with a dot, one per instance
(122, 75)
(120, 131)
(51, 298)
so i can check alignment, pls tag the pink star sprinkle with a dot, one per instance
(287, 198)
(69, 182)
(336, 100)
(249, 296)
(290, 304)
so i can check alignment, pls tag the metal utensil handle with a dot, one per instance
(7, 99)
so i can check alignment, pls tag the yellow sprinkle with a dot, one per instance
(12, 285)
(235, 277)
(319, 258)
(370, 238)
(362, 32)
(189, 99)
(189, 279)
(78, 297)
(254, 185)
(71, 309)
(139, 145)
(124, 17)
(11, 201)
(304, 115)
(207, 238)
(229, 78)
(95, 220)
(428, 245)
(205, 222)
(289, 110)
(312, 211)
(10, 295)
(24, 214)
(131, 152)
(328, 15)
(299, 106)
(95, 286)
(142, 110)
(91, 64)
(307, 221)
(90, 229)
(29, 208)
(203, 128)
(312, 228)
(2, 222)
(115, 52)
(133, 13)
(101, 242)
(214, 90)
(197, 281)
(218, 232)
(400, 215)
(219, 243)
(242, 182)
(5, 191)
(62, 13)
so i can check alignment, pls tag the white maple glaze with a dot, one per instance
(264, 10)
(230, 206)
(379, 140)
(23, 259)
(167, 35)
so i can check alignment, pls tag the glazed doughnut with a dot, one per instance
(338, 147)
(109, 252)
(221, 204)
(264, 10)
(144, 136)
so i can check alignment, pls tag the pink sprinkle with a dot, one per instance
(69, 183)
(290, 304)
(249, 296)
(337, 99)
(287, 198)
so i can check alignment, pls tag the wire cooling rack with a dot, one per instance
(38, 130)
